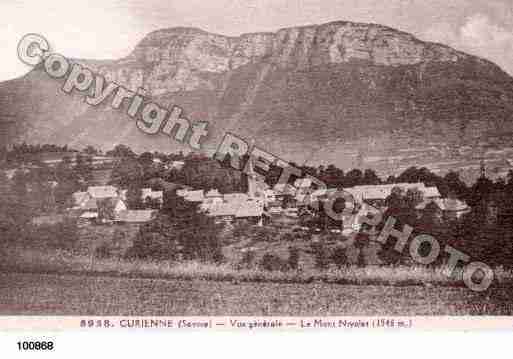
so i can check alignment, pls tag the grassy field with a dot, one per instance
(31, 260)
(84, 285)
(37, 294)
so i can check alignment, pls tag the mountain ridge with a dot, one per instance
(330, 93)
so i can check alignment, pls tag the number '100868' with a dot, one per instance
(35, 345)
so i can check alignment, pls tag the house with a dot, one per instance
(149, 194)
(284, 189)
(177, 165)
(10, 173)
(79, 197)
(250, 209)
(376, 194)
(101, 177)
(303, 183)
(98, 202)
(229, 197)
(238, 209)
(87, 200)
(449, 208)
(48, 219)
(213, 193)
(431, 193)
(182, 192)
(192, 196)
(86, 218)
(89, 215)
(135, 216)
(269, 196)
(102, 191)
(285, 194)
(211, 198)
(225, 211)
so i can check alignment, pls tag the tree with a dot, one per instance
(353, 178)
(180, 231)
(90, 150)
(127, 172)
(64, 172)
(63, 192)
(480, 192)
(456, 187)
(106, 209)
(414, 197)
(333, 177)
(83, 169)
(370, 178)
(134, 197)
(146, 159)
(20, 184)
(121, 151)
(400, 208)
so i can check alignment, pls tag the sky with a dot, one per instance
(103, 29)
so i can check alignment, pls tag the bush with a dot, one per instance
(248, 258)
(321, 255)
(293, 260)
(288, 237)
(271, 262)
(263, 234)
(339, 257)
(60, 235)
(103, 251)
(151, 245)
(179, 232)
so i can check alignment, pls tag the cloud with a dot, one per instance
(76, 29)
(480, 36)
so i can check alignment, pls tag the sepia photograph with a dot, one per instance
(258, 164)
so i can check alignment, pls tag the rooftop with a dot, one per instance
(102, 191)
(135, 216)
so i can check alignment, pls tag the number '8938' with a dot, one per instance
(35, 345)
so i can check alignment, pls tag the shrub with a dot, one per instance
(103, 251)
(321, 255)
(180, 231)
(339, 256)
(271, 262)
(264, 234)
(293, 260)
(60, 235)
(248, 258)
(288, 237)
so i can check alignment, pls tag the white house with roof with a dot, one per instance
(135, 216)
(450, 208)
(237, 209)
(177, 165)
(146, 193)
(192, 195)
(87, 203)
(376, 194)
(211, 198)
(103, 191)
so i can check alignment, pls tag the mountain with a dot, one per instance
(347, 93)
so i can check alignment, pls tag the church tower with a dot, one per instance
(482, 168)
(252, 180)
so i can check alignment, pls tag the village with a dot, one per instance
(101, 203)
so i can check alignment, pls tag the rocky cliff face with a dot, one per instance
(337, 92)
(169, 60)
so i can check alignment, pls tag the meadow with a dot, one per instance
(43, 294)
(54, 261)
(38, 281)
